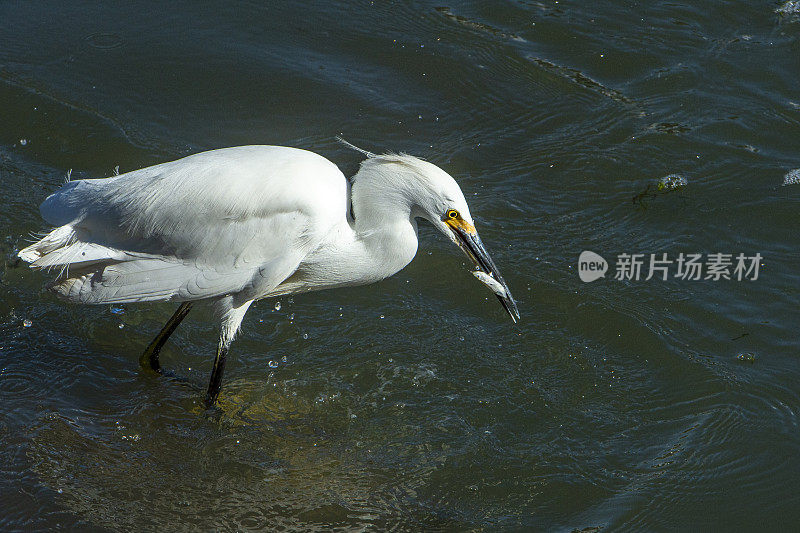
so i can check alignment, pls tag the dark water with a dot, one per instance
(414, 404)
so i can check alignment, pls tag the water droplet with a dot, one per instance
(382, 317)
(117, 310)
(284, 359)
(273, 364)
(27, 323)
(291, 317)
(746, 357)
(277, 306)
(23, 142)
(121, 325)
(305, 335)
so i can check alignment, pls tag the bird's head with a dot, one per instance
(435, 196)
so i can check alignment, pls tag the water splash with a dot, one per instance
(792, 7)
(672, 181)
(792, 177)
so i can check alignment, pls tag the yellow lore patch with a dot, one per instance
(459, 223)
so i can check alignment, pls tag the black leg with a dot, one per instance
(215, 384)
(149, 358)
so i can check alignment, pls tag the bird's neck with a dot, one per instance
(384, 225)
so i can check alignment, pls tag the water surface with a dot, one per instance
(414, 404)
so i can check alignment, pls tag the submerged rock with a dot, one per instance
(668, 183)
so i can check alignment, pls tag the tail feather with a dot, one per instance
(60, 237)
(94, 274)
(146, 280)
(79, 254)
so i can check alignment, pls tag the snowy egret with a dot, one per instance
(235, 225)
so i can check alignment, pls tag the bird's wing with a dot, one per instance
(138, 279)
(220, 222)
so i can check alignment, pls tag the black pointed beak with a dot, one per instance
(469, 241)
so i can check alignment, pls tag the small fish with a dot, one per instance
(490, 282)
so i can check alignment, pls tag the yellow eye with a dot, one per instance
(452, 214)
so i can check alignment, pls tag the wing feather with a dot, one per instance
(219, 222)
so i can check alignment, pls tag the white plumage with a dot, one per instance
(234, 225)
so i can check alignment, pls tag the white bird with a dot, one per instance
(235, 225)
